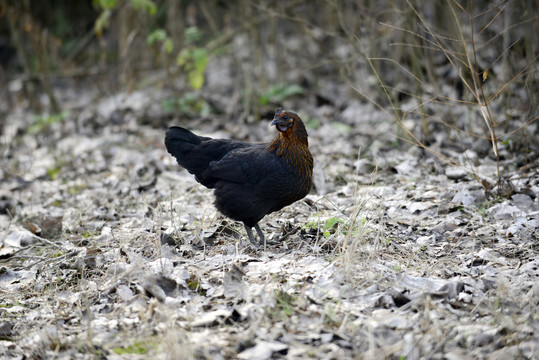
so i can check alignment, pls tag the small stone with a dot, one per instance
(455, 173)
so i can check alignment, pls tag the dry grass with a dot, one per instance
(466, 51)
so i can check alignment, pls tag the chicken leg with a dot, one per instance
(252, 237)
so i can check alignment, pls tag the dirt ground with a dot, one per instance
(111, 251)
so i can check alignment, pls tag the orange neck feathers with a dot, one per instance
(293, 146)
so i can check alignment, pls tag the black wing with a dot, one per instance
(195, 153)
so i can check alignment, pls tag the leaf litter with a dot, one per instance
(109, 248)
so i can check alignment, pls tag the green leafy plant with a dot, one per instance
(329, 227)
(284, 303)
(312, 123)
(53, 172)
(160, 36)
(484, 206)
(139, 347)
(193, 59)
(276, 94)
(147, 6)
(107, 6)
(190, 103)
(103, 20)
(42, 122)
(87, 234)
(194, 285)
(342, 127)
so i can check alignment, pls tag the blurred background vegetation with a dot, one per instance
(408, 57)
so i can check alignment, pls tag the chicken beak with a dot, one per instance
(281, 125)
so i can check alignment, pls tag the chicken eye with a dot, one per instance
(285, 117)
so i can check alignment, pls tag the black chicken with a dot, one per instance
(250, 180)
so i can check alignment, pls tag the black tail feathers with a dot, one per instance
(180, 141)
